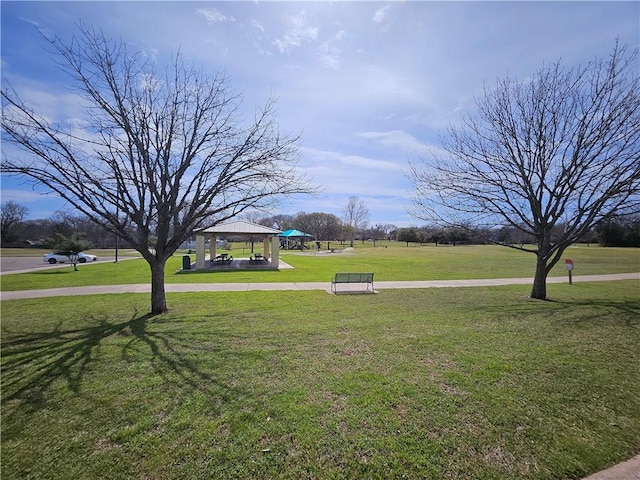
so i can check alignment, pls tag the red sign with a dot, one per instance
(568, 264)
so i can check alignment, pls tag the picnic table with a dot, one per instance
(257, 258)
(222, 259)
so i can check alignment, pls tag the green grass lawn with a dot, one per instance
(440, 383)
(475, 383)
(396, 262)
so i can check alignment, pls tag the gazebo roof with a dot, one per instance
(240, 227)
(294, 233)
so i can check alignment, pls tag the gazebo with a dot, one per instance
(271, 249)
(294, 235)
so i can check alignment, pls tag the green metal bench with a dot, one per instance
(352, 278)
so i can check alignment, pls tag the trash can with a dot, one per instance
(186, 262)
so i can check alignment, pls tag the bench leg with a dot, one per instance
(334, 286)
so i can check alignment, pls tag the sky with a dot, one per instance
(369, 86)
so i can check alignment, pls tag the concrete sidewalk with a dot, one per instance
(629, 470)
(326, 286)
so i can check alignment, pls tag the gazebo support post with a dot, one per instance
(266, 243)
(275, 252)
(200, 251)
(212, 247)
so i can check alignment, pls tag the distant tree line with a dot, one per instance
(622, 231)
(18, 232)
(329, 227)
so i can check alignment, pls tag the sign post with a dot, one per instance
(568, 264)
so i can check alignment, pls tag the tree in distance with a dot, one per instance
(158, 154)
(553, 157)
(11, 216)
(356, 217)
(70, 246)
(323, 226)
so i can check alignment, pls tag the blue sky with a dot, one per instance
(368, 84)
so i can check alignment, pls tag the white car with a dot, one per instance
(60, 257)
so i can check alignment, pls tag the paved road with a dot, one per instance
(15, 264)
(9, 265)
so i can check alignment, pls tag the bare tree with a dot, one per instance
(388, 229)
(356, 216)
(257, 217)
(376, 233)
(559, 150)
(165, 152)
(281, 221)
(11, 217)
(323, 226)
(380, 232)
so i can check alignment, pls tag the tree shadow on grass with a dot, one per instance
(620, 312)
(596, 311)
(63, 270)
(34, 364)
(170, 356)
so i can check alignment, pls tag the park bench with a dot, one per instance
(352, 278)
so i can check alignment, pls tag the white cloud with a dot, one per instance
(380, 15)
(53, 105)
(25, 196)
(398, 140)
(257, 24)
(387, 84)
(211, 15)
(341, 175)
(298, 31)
(330, 52)
(341, 160)
(46, 32)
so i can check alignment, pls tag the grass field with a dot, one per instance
(396, 262)
(474, 383)
(447, 383)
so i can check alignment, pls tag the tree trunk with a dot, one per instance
(539, 289)
(158, 297)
